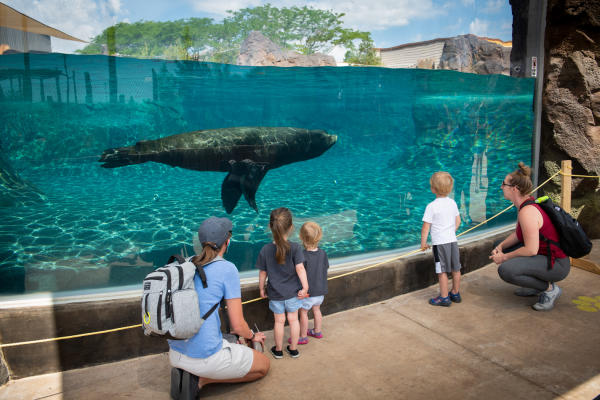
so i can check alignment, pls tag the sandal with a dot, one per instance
(455, 297)
(440, 301)
(316, 335)
(302, 340)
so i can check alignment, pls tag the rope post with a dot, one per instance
(565, 195)
(565, 202)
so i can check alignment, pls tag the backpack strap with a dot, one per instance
(212, 309)
(200, 269)
(225, 315)
(526, 203)
(177, 257)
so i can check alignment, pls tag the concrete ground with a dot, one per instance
(490, 346)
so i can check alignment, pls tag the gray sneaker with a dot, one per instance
(527, 292)
(547, 299)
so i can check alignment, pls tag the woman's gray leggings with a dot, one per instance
(533, 272)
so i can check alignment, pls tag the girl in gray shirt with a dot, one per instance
(283, 263)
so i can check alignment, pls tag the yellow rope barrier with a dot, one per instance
(2, 345)
(579, 176)
(69, 337)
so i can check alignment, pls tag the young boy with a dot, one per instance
(443, 218)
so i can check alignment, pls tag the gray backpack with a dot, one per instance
(170, 302)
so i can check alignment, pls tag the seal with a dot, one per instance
(245, 153)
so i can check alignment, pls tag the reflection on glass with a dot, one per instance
(67, 223)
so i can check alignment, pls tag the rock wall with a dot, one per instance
(469, 53)
(4, 375)
(518, 54)
(258, 50)
(571, 103)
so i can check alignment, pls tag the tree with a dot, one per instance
(303, 29)
(365, 54)
(151, 39)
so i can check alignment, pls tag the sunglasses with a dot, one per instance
(507, 184)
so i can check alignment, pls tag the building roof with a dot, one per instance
(402, 46)
(11, 18)
(426, 42)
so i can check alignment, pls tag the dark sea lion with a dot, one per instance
(246, 153)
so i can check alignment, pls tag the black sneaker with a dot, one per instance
(276, 353)
(292, 353)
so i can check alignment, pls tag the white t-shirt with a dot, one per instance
(441, 214)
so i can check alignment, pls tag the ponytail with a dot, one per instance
(209, 252)
(280, 223)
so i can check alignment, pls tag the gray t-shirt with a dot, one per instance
(283, 281)
(316, 265)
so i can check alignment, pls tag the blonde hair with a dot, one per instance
(310, 234)
(209, 252)
(280, 224)
(441, 182)
(521, 178)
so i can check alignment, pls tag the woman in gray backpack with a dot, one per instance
(522, 258)
(206, 357)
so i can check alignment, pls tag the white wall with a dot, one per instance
(407, 57)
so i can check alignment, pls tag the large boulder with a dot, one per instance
(571, 102)
(469, 53)
(258, 50)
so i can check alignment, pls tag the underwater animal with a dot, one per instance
(245, 153)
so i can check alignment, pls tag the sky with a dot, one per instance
(391, 22)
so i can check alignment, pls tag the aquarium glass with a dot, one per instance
(66, 223)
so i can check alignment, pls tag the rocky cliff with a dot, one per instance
(469, 53)
(258, 50)
(571, 102)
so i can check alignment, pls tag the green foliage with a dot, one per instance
(365, 54)
(303, 29)
(146, 39)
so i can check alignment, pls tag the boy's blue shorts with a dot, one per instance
(310, 302)
(283, 306)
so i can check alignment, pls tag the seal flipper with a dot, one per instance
(251, 181)
(230, 192)
(244, 178)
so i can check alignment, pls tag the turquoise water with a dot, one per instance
(66, 223)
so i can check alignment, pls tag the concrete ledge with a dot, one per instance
(19, 324)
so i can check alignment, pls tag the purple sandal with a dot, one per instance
(316, 335)
(302, 340)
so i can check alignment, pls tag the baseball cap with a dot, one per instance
(214, 230)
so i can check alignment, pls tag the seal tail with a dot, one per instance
(119, 157)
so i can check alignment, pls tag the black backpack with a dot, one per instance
(572, 239)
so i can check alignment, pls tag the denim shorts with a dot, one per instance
(310, 302)
(282, 306)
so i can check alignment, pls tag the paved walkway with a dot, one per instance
(491, 346)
